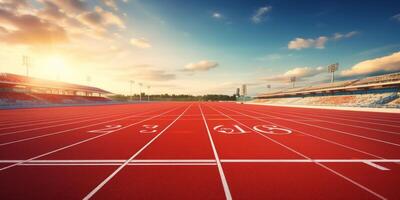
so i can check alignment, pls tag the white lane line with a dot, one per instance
(221, 171)
(330, 129)
(72, 129)
(105, 181)
(84, 141)
(214, 161)
(304, 156)
(63, 161)
(308, 160)
(69, 164)
(112, 161)
(168, 161)
(173, 164)
(118, 164)
(376, 166)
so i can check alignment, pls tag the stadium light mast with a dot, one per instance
(293, 80)
(331, 69)
(269, 87)
(131, 93)
(244, 92)
(140, 95)
(148, 93)
(26, 62)
(88, 80)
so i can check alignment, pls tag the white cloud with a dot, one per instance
(301, 43)
(74, 6)
(260, 13)
(51, 11)
(396, 17)
(140, 43)
(29, 30)
(203, 65)
(100, 19)
(299, 72)
(338, 36)
(216, 15)
(111, 3)
(318, 43)
(14, 5)
(386, 64)
(304, 72)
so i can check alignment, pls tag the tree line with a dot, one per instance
(174, 97)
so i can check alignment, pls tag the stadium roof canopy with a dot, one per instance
(18, 80)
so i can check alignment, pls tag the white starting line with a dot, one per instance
(195, 162)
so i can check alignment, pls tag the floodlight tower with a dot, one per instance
(244, 92)
(131, 93)
(148, 93)
(26, 62)
(293, 80)
(88, 79)
(331, 69)
(140, 95)
(269, 87)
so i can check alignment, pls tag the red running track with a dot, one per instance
(195, 150)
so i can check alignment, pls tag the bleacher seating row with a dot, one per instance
(367, 100)
(17, 98)
(379, 79)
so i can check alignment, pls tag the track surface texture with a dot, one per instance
(197, 150)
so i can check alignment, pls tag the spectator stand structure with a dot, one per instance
(23, 90)
(376, 91)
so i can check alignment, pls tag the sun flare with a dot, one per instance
(55, 66)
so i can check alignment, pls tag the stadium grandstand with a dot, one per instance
(23, 90)
(376, 91)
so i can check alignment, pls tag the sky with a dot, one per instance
(198, 47)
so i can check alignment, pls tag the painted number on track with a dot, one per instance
(149, 129)
(271, 129)
(107, 129)
(266, 129)
(235, 129)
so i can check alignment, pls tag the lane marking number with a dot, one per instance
(266, 129)
(272, 129)
(149, 129)
(107, 129)
(236, 129)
